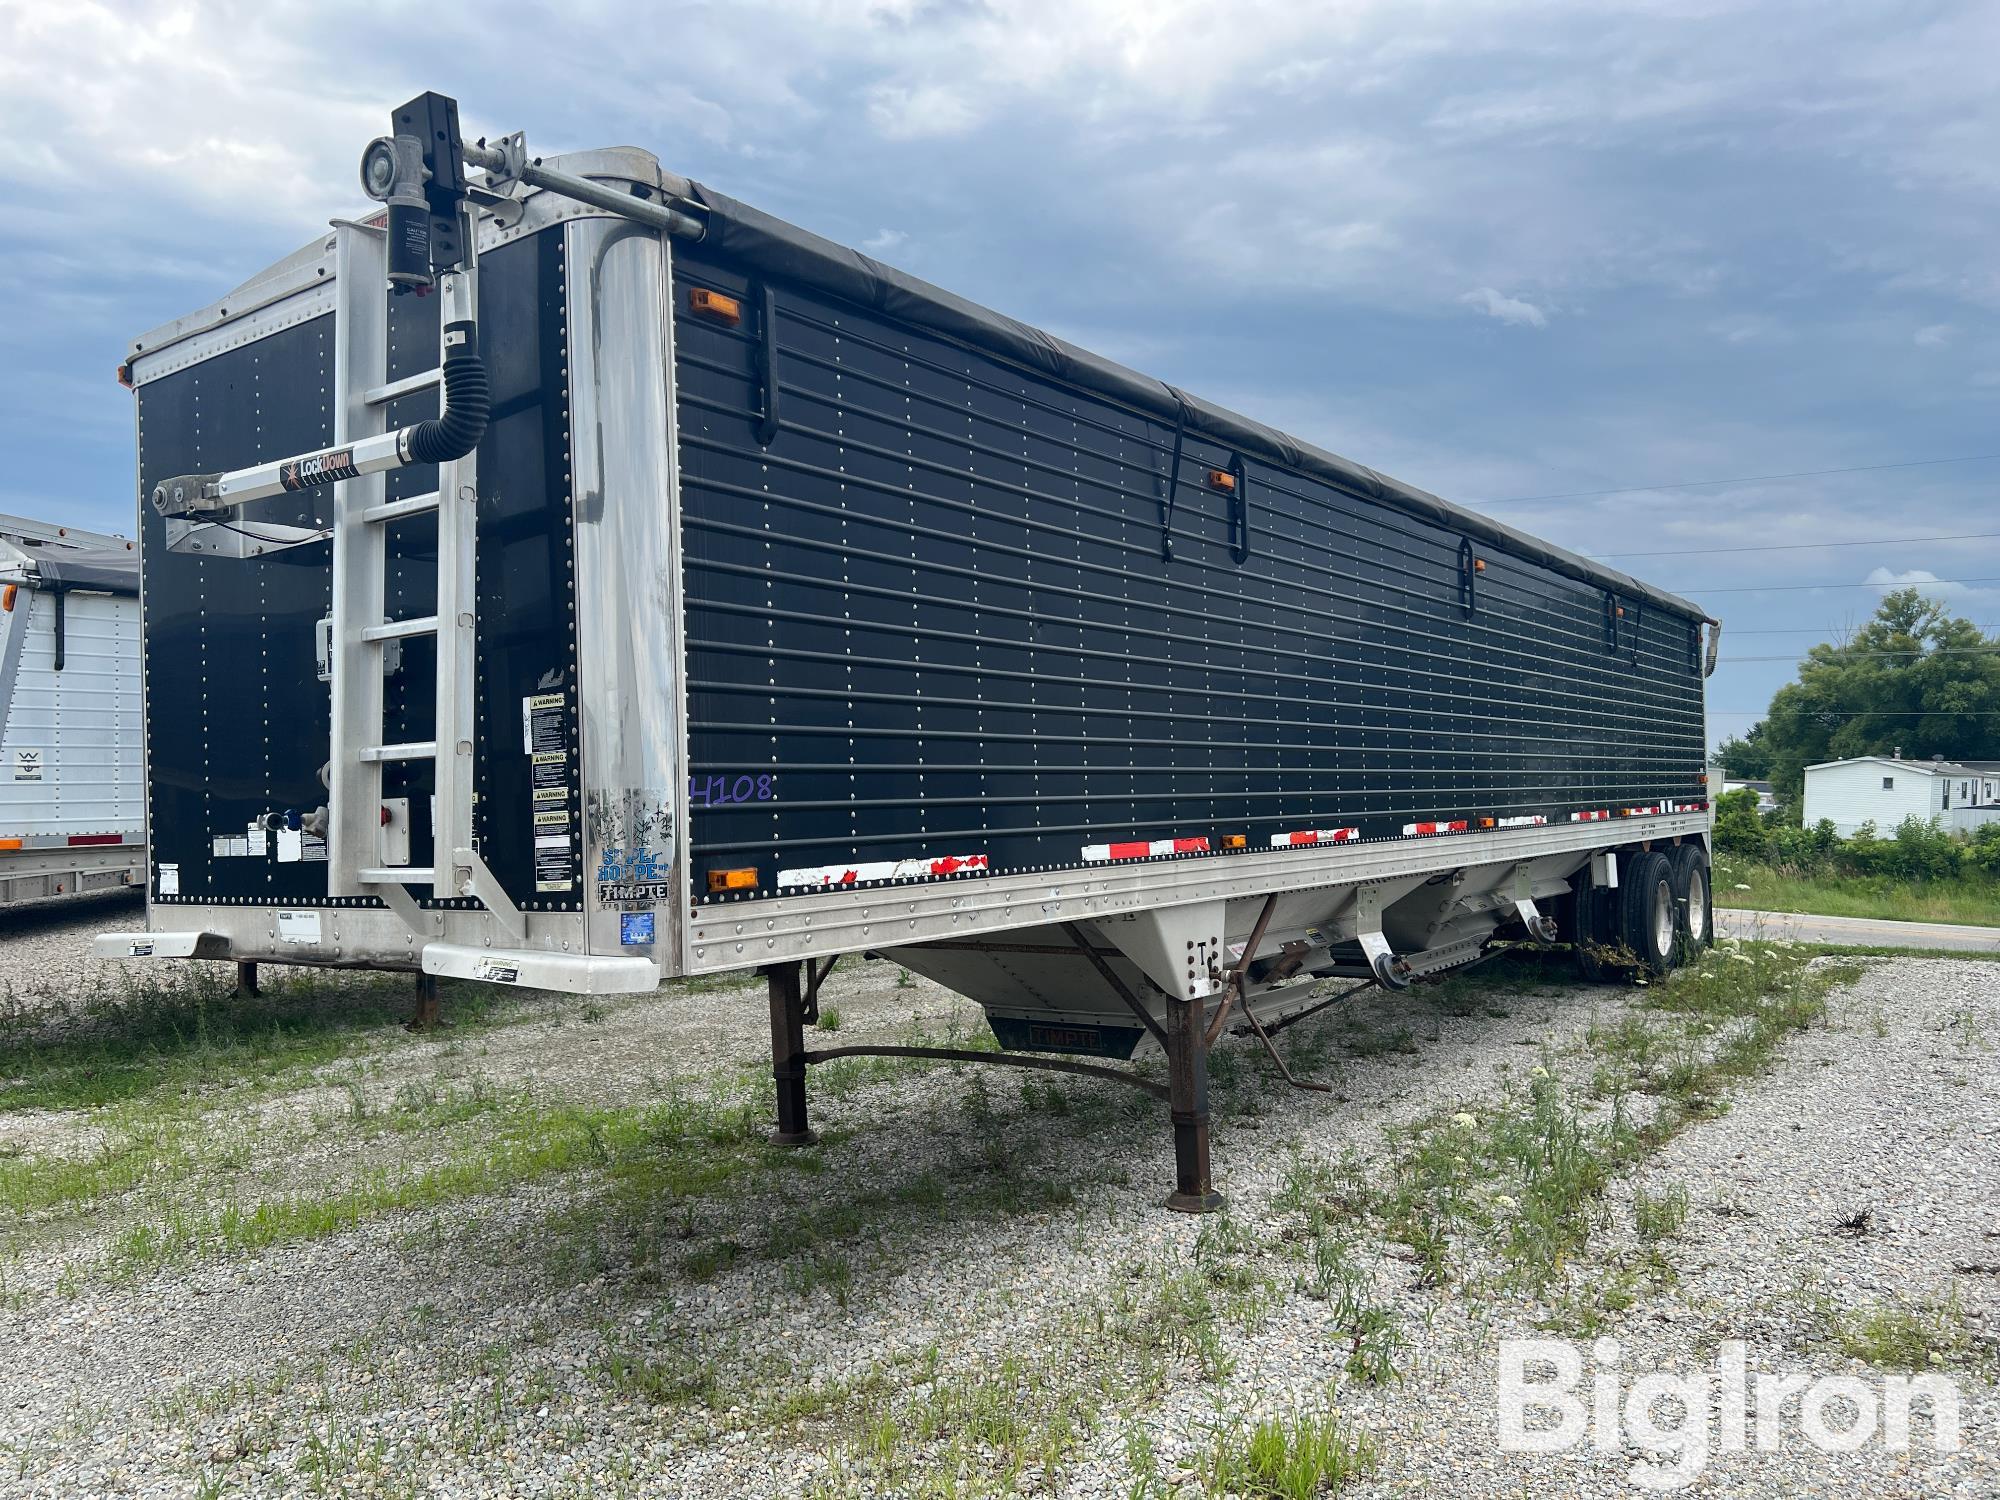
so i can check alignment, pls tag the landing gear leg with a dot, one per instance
(246, 981)
(1187, 1096)
(425, 1015)
(788, 1065)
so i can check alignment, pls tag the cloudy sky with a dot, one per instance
(1507, 252)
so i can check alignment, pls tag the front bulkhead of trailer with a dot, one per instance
(813, 611)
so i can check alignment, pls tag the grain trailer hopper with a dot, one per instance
(586, 579)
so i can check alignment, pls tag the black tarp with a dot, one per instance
(97, 572)
(777, 249)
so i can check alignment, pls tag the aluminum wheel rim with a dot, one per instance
(1698, 906)
(1663, 918)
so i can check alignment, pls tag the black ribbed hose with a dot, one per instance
(457, 431)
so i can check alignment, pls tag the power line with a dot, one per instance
(1847, 655)
(1895, 541)
(1828, 630)
(1695, 484)
(1862, 713)
(1775, 588)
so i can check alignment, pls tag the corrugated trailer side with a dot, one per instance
(72, 782)
(946, 608)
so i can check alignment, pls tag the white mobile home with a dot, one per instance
(1886, 789)
(72, 775)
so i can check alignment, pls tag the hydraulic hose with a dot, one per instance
(467, 402)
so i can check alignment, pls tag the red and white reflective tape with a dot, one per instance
(1315, 836)
(1601, 815)
(1641, 812)
(1685, 807)
(1143, 849)
(1418, 830)
(1526, 820)
(886, 869)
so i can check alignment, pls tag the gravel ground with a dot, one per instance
(961, 1290)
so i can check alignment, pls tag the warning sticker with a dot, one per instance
(555, 861)
(170, 880)
(542, 726)
(545, 741)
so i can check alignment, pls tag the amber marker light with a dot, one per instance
(715, 305)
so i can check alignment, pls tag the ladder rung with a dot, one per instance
(414, 750)
(395, 510)
(397, 630)
(397, 875)
(409, 385)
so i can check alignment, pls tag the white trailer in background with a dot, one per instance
(72, 764)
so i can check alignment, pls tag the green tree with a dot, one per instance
(1744, 757)
(1915, 677)
(1738, 829)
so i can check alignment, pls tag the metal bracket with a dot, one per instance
(239, 539)
(1391, 972)
(1542, 929)
(473, 879)
(1179, 948)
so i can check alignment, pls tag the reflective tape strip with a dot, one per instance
(1590, 817)
(1531, 820)
(1315, 836)
(1417, 830)
(1143, 849)
(1639, 812)
(886, 869)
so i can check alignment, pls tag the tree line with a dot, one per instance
(1915, 678)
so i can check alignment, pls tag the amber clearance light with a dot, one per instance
(716, 305)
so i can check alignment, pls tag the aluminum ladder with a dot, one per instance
(362, 628)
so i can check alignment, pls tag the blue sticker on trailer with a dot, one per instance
(635, 928)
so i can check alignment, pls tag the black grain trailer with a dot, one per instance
(569, 576)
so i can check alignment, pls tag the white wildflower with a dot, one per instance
(1463, 1120)
(1501, 1200)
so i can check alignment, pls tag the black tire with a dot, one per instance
(1693, 897)
(1648, 918)
(1589, 927)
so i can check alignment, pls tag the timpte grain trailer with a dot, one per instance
(569, 576)
(72, 774)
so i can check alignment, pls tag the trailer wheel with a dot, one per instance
(1694, 897)
(1590, 929)
(1648, 916)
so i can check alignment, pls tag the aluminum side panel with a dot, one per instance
(627, 562)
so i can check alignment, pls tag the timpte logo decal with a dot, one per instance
(319, 468)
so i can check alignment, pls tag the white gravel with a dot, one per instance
(954, 1229)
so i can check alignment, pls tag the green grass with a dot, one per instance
(1294, 1457)
(1976, 902)
(1899, 1333)
(172, 1040)
(1521, 1181)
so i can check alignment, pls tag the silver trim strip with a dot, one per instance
(735, 935)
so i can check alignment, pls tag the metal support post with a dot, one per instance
(425, 1016)
(246, 980)
(788, 1060)
(1187, 1098)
